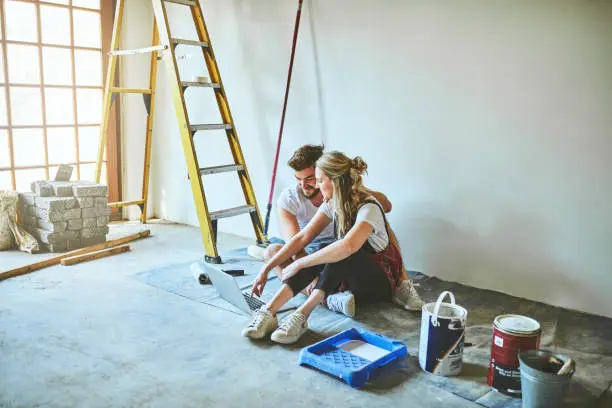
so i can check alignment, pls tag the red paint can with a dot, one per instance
(511, 333)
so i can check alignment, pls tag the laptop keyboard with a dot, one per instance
(253, 302)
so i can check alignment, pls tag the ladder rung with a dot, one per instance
(226, 126)
(131, 90)
(139, 50)
(125, 203)
(221, 169)
(230, 212)
(177, 41)
(185, 2)
(201, 84)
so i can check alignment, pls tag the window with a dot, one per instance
(51, 85)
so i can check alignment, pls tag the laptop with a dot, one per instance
(228, 289)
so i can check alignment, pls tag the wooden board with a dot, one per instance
(95, 255)
(57, 259)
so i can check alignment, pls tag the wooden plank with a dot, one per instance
(57, 259)
(95, 255)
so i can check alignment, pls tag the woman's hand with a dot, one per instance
(291, 269)
(260, 281)
(312, 286)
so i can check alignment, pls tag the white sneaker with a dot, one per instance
(263, 323)
(291, 329)
(256, 252)
(343, 302)
(407, 297)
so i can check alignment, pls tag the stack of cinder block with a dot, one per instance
(65, 215)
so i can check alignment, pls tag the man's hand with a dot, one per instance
(312, 286)
(290, 270)
(260, 282)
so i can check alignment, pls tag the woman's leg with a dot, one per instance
(293, 286)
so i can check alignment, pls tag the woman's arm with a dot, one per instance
(340, 249)
(299, 240)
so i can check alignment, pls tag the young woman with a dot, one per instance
(364, 260)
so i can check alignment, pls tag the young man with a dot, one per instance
(296, 207)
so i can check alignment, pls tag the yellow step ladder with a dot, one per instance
(163, 48)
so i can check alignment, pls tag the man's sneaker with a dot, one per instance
(291, 329)
(263, 323)
(343, 302)
(407, 297)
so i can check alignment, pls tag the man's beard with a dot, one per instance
(310, 193)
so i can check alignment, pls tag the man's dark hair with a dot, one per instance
(305, 157)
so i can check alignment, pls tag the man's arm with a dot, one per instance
(289, 227)
(381, 198)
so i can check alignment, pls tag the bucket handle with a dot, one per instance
(434, 316)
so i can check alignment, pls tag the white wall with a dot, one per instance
(487, 123)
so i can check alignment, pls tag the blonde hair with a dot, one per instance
(346, 177)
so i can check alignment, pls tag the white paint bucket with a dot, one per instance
(442, 335)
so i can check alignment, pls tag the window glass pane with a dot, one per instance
(88, 67)
(58, 106)
(5, 180)
(20, 21)
(26, 106)
(23, 64)
(55, 23)
(86, 28)
(23, 178)
(5, 160)
(89, 106)
(57, 66)
(29, 147)
(3, 119)
(60, 145)
(92, 4)
(88, 172)
(89, 137)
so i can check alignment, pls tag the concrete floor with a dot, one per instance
(91, 335)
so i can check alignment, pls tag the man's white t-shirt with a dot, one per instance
(294, 201)
(370, 213)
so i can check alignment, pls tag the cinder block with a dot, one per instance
(103, 201)
(59, 247)
(74, 244)
(102, 221)
(56, 203)
(85, 202)
(49, 216)
(93, 241)
(89, 222)
(90, 190)
(41, 188)
(59, 226)
(98, 211)
(75, 224)
(72, 214)
(61, 188)
(27, 198)
(55, 238)
(31, 210)
(30, 221)
(94, 232)
(64, 172)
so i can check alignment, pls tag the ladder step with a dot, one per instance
(177, 41)
(221, 169)
(125, 203)
(139, 50)
(226, 126)
(185, 2)
(185, 84)
(231, 212)
(131, 90)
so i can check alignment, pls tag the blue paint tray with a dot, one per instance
(352, 355)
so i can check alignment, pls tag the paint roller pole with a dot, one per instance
(282, 124)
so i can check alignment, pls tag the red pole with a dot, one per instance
(282, 123)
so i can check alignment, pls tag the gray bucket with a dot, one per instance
(541, 388)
